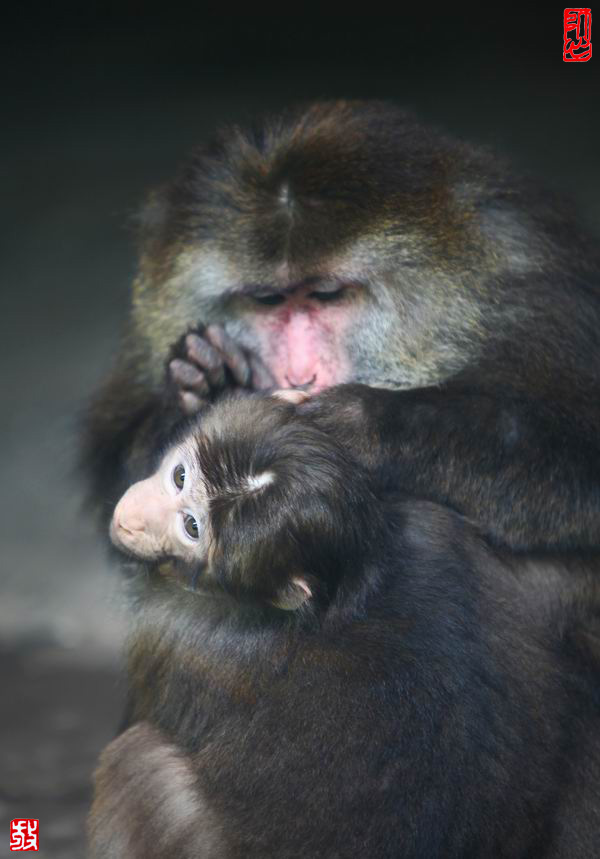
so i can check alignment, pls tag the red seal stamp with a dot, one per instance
(24, 833)
(577, 35)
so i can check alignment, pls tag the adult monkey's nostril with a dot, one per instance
(301, 384)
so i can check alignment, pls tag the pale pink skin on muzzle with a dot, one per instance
(304, 342)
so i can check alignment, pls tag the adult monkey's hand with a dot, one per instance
(209, 362)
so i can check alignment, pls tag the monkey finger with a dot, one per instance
(207, 358)
(231, 354)
(190, 403)
(185, 375)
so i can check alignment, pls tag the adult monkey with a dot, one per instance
(346, 243)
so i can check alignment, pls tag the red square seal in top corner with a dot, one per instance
(24, 834)
(577, 35)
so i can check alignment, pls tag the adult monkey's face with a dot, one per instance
(345, 244)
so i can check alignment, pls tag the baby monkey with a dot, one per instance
(228, 505)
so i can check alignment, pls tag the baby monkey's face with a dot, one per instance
(167, 514)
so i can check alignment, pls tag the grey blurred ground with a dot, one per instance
(89, 129)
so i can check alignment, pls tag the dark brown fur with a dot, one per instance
(446, 704)
(432, 700)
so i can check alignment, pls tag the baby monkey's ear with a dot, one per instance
(293, 595)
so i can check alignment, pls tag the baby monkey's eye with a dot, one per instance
(191, 526)
(179, 476)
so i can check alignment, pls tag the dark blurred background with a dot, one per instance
(97, 108)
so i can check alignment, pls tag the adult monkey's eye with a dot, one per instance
(191, 526)
(179, 476)
(328, 294)
(270, 298)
